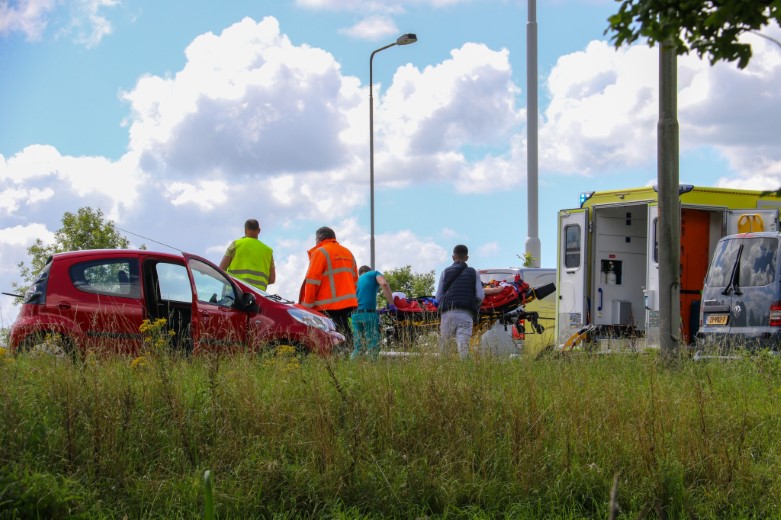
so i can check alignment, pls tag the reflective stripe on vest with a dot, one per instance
(330, 272)
(251, 262)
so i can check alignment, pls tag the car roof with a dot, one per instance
(774, 234)
(115, 253)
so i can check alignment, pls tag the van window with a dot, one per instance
(572, 245)
(723, 262)
(757, 262)
(112, 277)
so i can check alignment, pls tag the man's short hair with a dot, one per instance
(324, 233)
(364, 269)
(252, 224)
(461, 251)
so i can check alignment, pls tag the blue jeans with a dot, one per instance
(366, 334)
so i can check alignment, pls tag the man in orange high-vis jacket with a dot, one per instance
(330, 283)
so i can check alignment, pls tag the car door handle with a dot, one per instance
(205, 315)
(64, 306)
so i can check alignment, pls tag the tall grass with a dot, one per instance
(414, 437)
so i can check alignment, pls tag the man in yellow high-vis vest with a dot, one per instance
(249, 259)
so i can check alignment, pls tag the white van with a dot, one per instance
(502, 339)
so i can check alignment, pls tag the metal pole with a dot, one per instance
(532, 168)
(669, 223)
(371, 147)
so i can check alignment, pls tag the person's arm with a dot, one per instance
(479, 292)
(440, 287)
(228, 257)
(386, 290)
(314, 276)
(492, 290)
(272, 272)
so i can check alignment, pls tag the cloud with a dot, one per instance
(79, 177)
(207, 195)
(247, 103)
(372, 28)
(604, 110)
(88, 25)
(389, 6)
(488, 249)
(23, 235)
(29, 17)
(80, 19)
(452, 121)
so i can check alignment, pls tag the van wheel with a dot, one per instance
(47, 344)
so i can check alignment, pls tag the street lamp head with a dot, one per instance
(406, 39)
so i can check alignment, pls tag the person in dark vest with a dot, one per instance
(459, 293)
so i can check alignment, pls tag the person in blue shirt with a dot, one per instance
(366, 322)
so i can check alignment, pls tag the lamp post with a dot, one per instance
(404, 39)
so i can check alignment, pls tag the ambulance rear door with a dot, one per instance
(651, 288)
(572, 308)
(751, 220)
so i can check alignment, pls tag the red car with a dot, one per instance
(98, 299)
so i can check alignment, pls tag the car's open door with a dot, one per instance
(219, 322)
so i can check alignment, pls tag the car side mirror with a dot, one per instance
(248, 301)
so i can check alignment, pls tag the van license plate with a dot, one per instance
(717, 319)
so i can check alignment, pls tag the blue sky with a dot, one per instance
(180, 119)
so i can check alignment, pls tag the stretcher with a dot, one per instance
(415, 317)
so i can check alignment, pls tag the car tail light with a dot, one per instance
(775, 315)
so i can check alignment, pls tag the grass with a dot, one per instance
(418, 437)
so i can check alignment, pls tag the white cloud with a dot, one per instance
(373, 5)
(246, 102)
(29, 17)
(207, 195)
(80, 19)
(11, 198)
(372, 28)
(452, 121)
(80, 177)
(488, 249)
(394, 250)
(604, 110)
(88, 24)
(25, 235)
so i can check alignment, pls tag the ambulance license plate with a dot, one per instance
(717, 319)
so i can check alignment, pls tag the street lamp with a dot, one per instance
(404, 39)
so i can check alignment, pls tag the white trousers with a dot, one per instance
(456, 325)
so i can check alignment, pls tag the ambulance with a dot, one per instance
(608, 259)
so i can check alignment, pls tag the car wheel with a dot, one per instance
(47, 344)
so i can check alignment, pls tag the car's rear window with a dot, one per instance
(36, 293)
(112, 277)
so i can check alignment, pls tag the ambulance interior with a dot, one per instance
(623, 300)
